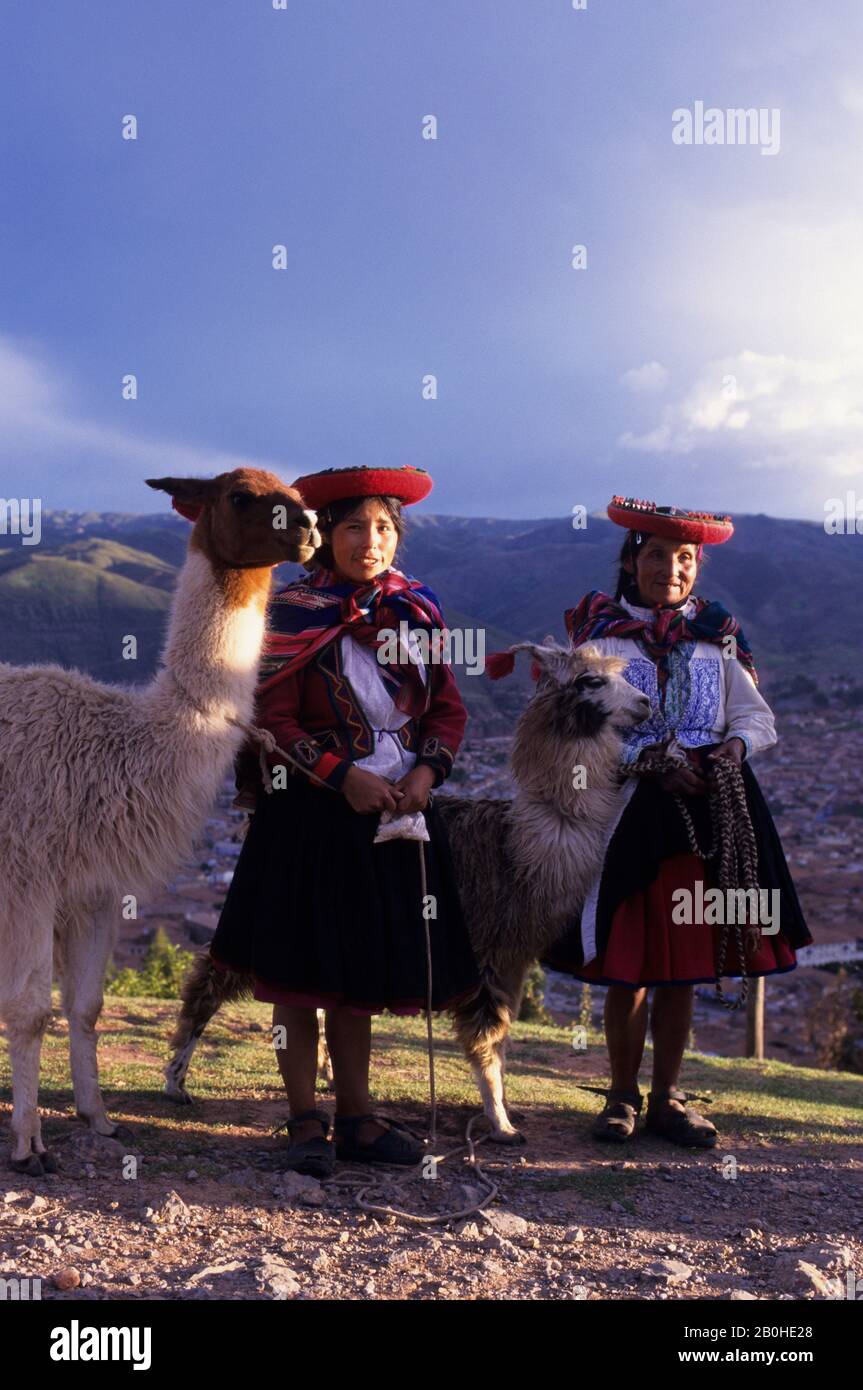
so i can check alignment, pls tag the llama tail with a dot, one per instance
(205, 990)
(482, 1023)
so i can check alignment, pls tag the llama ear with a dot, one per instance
(547, 656)
(188, 495)
(195, 491)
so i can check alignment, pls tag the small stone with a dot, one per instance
(507, 1224)
(277, 1280)
(42, 1242)
(299, 1187)
(669, 1272)
(171, 1211)
(739, 1295)
(468, 1230)
(574, 1235)
(66, 1278)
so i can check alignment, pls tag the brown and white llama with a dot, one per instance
(103, 787)
(523, 866)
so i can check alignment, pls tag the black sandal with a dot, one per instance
(314, 1157)
(684, 1126)
(616, 1121)
(398, 1145)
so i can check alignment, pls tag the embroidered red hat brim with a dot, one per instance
(408, 484)
(673, 523)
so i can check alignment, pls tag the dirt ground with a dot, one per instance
(571, 1219)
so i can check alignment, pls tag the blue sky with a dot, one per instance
(711, 353)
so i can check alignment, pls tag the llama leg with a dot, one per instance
(25, 1006)
(482, 1025)
(513, 988)
(326, 1079)
(25, 1029)
(86, 939)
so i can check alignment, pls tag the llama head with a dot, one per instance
(246, 519)
(577, 715)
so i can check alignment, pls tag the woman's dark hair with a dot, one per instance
(627, 582)
(334, 512)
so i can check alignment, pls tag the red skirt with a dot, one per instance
(646, 947)
(637, 942)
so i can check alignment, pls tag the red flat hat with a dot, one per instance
(408, 484)
(698, 528)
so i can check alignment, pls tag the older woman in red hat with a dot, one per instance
(690, 657)
(322, 911)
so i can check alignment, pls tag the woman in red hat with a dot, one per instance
(320, 911)
(690, 657)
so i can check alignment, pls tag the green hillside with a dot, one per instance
(76, 604)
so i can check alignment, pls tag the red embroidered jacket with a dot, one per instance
(316, 717)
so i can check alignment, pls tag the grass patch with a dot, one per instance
(773, 1103)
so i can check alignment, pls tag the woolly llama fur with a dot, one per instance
(103, 788)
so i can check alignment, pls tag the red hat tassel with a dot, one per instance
(499, 664)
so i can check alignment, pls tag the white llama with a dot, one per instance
(103, 788)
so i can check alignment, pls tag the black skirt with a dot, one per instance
(320, 916)
(648, 858)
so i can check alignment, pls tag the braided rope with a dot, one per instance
(732, 845)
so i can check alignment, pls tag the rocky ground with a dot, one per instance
(568, 1221)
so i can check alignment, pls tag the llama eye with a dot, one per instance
(589, 682)
(240, 499)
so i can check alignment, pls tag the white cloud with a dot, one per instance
(851, 94)
(652, 376)
(768, 411)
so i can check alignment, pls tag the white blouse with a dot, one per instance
(708, 696)
(389, 757)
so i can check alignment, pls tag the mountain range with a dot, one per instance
(98, 577)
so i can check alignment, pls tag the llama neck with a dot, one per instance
(214, 640)
(564, 795)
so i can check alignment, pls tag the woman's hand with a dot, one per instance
(732, 750)
(416, 786)
(367, 793)
(685, 780)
